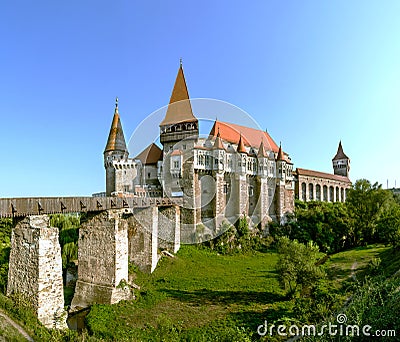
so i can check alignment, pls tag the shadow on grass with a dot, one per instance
(208, 297)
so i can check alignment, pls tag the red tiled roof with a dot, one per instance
(150, 155)
(176, 153)
(312, 173)
(179, 108)
(251, 137)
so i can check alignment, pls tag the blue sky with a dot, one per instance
(311, 72)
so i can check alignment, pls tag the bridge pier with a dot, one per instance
(169, 231)
(102, 260)
(35, 269)
(143, 238)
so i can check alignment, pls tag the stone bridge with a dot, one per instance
(116, 231)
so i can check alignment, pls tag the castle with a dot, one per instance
(236, 171)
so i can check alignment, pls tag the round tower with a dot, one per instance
(115, 151)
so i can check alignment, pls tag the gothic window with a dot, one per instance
(207, 160)
(303, 191)
(318, 192)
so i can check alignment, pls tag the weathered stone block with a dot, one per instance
(35, 269)
(102, 260)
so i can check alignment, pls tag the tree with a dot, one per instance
(388, 225)
(296, 265)
(366, 202)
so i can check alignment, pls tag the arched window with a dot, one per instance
(311, 191)
(303, 195)
(331, 192)
(318, 192)
(325, 193)
(337, 194)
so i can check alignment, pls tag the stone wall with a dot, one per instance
(102, 260)
(169, 228)
(35, 269)
(143, 238)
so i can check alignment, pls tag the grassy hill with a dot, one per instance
(203, 296)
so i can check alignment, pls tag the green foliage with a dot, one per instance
(296, 265)
(319, 304)
(327, 224)
(366, 202)
(376, 302)
(388, 225)
(238, 238)
(5, 245)
(68, 225)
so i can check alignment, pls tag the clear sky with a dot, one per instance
(311, 72)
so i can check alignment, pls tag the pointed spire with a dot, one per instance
(340, 154)
(116, 139)
(241, 148)
(280, 153)
(179, 108)
(218, 142)
(261, 151)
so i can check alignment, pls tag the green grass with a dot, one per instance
(199, 288)
(8, 332)
(344, 265)
(201, 296)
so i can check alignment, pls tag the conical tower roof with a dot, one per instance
(241, 148)
(280, 153)
(116, 139)
(218, 145)
(179, 108)
(340, 154)
(261, 151)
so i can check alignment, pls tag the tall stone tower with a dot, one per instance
(179, 122)
(115, 152)
(341, 162)
(179, 132)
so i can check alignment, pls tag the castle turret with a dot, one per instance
(262, 161)
(280, 165)
(179, 122)
(115, 151)
(341, 162)
(219, 153)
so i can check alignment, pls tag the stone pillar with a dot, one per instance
(169, 228)
(220, 202)
(263, 203)
(243, 195)
(102, 260)
(35, 269)
(143, 238)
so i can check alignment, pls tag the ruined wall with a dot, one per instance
(102, 260)
(169, 228)
(143, 238)
(35, 269)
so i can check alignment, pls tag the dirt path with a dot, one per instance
(16, 326)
